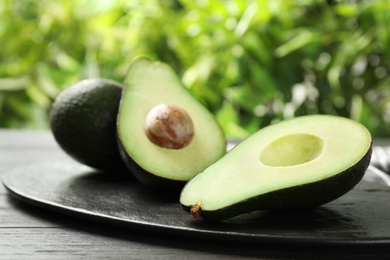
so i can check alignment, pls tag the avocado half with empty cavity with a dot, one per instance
(165, 135)
(294, 164)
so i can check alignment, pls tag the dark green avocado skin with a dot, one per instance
(149, 179)
(83, 122)
(298, 197)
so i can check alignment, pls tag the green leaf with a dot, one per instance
(300, 39)
(347, 10)
(13, 84)
(228, 117)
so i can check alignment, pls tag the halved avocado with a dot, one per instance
(294, 164)
(166, 136)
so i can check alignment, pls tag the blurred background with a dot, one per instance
(250, 63)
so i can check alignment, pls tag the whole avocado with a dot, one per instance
(83, 122)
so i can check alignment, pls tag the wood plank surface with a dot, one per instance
(29, 232)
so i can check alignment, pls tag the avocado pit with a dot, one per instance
(169, 126)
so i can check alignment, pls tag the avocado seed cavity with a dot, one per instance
(291, 150)
(169, 126)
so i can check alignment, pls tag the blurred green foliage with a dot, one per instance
(250, 62)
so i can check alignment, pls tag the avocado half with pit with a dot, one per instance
(166, 136)
(294, 164)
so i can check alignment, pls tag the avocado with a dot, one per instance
(83, 122)
(165, 135)
(293, 164)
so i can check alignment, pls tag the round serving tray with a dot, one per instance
(361, 217)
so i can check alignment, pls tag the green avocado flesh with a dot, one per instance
(298, 163)
(150, 84)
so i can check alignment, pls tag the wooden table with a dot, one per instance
(29, 232)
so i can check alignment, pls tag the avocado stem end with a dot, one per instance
(196, 210)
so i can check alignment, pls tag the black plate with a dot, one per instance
(361, 217)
